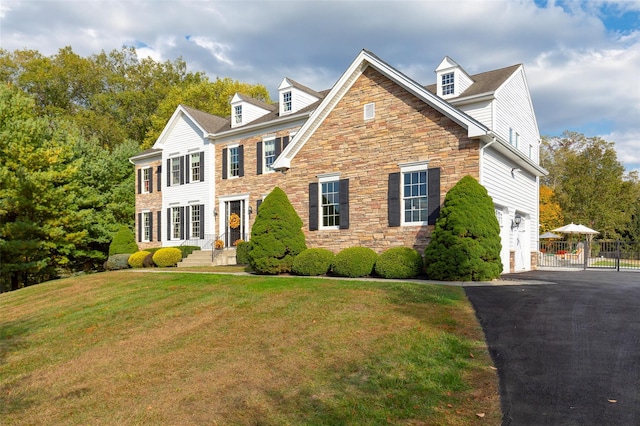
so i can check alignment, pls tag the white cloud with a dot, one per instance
(216, 49)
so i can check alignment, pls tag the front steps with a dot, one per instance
(222, 257)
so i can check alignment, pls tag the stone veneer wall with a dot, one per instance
(404, 130)
(149, 201)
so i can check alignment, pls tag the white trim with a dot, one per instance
(418, 166)
(327, 178)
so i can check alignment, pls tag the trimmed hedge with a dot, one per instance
(399, 262)
(313, 261)
(136, 260)
(167, 257)
(242, 253)
(354, 262)
(124, 242)
(117, 262)
(187, 250)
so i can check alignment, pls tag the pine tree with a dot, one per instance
(465, 245)
(277, 236)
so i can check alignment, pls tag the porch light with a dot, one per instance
(515, 223)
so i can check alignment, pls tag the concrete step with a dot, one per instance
(203, 258)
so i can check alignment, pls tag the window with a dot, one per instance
(175, 171)
(517, 141)
(146, 226)
(234, 162)
(237, 114)
(175, 223)
(195, 167)
(414, 196)
(195, 222)
(146, 180)
(269, 154)
(448, 84)
(369, 111)
(330, 204)
(286, 101)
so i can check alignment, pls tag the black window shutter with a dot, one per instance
(159, 173)
(169, 172)
(393, 199)
(224, 163)
(259, 158)
(182, 170)
(187, 217)
(433, 193)
(241, 160)
(258, 205)
(150, 226)
(313, 206)
(344, 203)
(182, 223)
(285, 142)
(139, 182)
(169, 234)
(202, 166)
(278, 145)
(159, 226)
(202, 217)
(187, 168)
(151, 180)
(139, 227)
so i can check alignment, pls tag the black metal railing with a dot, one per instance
(618, 255)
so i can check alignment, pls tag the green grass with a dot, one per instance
(171, 348)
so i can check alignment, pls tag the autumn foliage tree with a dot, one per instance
(551, 216)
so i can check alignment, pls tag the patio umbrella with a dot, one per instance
(572, 228)
(549, 235)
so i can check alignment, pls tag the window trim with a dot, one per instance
(447, 83)
(192, 210)
(268, 169)
(230, 164)
(146, 180)
(147, 224)
(323, 179)
(192, 168)
(176, 223)
(173, 161)
(287, 106)
(422, 166)
(237, 114)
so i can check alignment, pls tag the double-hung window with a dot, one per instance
(286, 101)
(196, 222)
(330, 204)
(146, 180)
(448, 84)
(269, 154)
(234, 161)
(175, 171)
(175, 223)
(195, 167)
(146, 226)
(414, 196)
(237, 114)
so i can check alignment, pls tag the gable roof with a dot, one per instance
(253, 101)
(208, 122)
(303, 88)
(363, 60)
(485, 82)
(146, 154)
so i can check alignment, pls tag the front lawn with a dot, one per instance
(131, 348)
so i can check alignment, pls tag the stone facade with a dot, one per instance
(404, 130)
(149, 202)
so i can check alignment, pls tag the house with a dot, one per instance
(367, 162)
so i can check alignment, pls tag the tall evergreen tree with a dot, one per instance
(465, 245)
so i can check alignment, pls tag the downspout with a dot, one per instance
(481, 159)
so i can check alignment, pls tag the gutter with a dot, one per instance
(481, 171)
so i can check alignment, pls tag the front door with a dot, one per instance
(234, 230)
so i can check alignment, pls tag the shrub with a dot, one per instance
(148, 261)
(136, 260)
(465, 245)
(399, 262)
(354, 262)
(187, 250)
(313, 261)
(124, 242)
(276, 236)
(117, 262)
(167, 256)
(242, 253)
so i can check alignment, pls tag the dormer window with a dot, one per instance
(448, 87)
(237, 114)
(286, 101)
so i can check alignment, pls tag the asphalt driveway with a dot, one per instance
(567, 348)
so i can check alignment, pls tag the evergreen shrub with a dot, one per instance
(354, 262)
(242, 253)
(187, 250)
(399, 262)
(167, 257)
(123, 242)
(117, 262)
(465, 245)
(313, 261)
(276, 235)
(136, 260)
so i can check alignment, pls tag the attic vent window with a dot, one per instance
(286, 101)
(447, 84)
(237, 114)
(369, 111)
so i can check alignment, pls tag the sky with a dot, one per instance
(581, 58)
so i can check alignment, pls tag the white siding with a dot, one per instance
(186, 138)
(481, 111)
(301, 99)
(514, 193)
(513, 110)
